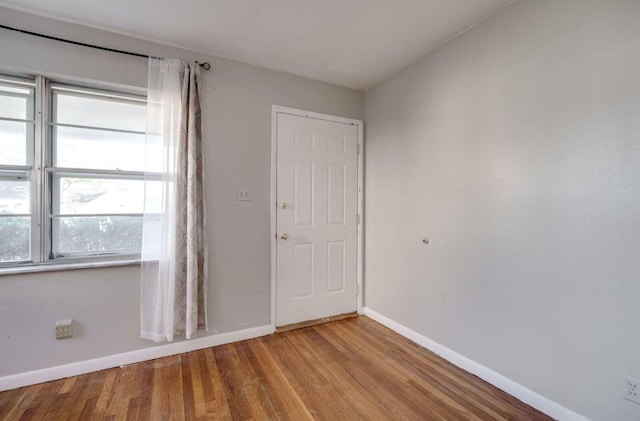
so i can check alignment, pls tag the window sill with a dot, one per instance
(50, 267)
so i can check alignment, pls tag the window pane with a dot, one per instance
(15, 238)
(13, 142)
(99, 149)
(95, 111)
(106, 196)
(14, 196)
(99, 234)
(16, 102)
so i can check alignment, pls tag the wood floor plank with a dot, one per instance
(133, 410)
(10, 402)
(57, 401)
(469, 386)
(173, 403)
(329, 385)
(394, 387)
(401, 374)
(24, 399)
(354, 378)
(366, 381)
(146, 385)
(105, 393)
(119, 393)
(448, 392)
(194, 402)
(234, 377)
(95, 388)
(342, 376)
(283, 396)
(307, 382)
(217, 403)
(156, 392)
(344, 370)
(74, 401)
(42, 401)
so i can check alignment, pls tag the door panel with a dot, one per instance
(303, 193)
(317, 199)
(335, 266)
(303, 270)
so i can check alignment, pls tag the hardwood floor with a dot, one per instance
(344, 370)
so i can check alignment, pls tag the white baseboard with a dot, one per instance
(530, 397)
(82, 367)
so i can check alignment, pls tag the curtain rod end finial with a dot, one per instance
(205, 65)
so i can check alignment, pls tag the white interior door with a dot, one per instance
(316, 218)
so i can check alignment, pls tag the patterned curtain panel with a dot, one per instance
(174, 246)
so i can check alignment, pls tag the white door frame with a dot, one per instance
(275, 110)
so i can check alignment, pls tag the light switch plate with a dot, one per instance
(243, 195)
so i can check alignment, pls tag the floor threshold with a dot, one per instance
(309, 323)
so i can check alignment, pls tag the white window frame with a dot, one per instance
(42, 173)
(29, 169)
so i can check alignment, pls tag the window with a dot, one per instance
(17, 133)
(72, 162)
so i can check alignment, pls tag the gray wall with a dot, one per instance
(236, 104)
(516, 149)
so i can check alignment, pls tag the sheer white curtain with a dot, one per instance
(174, 247)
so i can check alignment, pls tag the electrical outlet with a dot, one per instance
(64, 329)
(631, 389)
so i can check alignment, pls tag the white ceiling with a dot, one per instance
(354, 43)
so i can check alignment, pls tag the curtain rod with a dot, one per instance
(205, 65)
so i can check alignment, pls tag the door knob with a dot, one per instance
(284, 236)
(284, 205)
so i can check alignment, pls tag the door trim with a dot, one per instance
(275, 110)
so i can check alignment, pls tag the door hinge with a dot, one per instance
(358, 149)
(357, 219)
